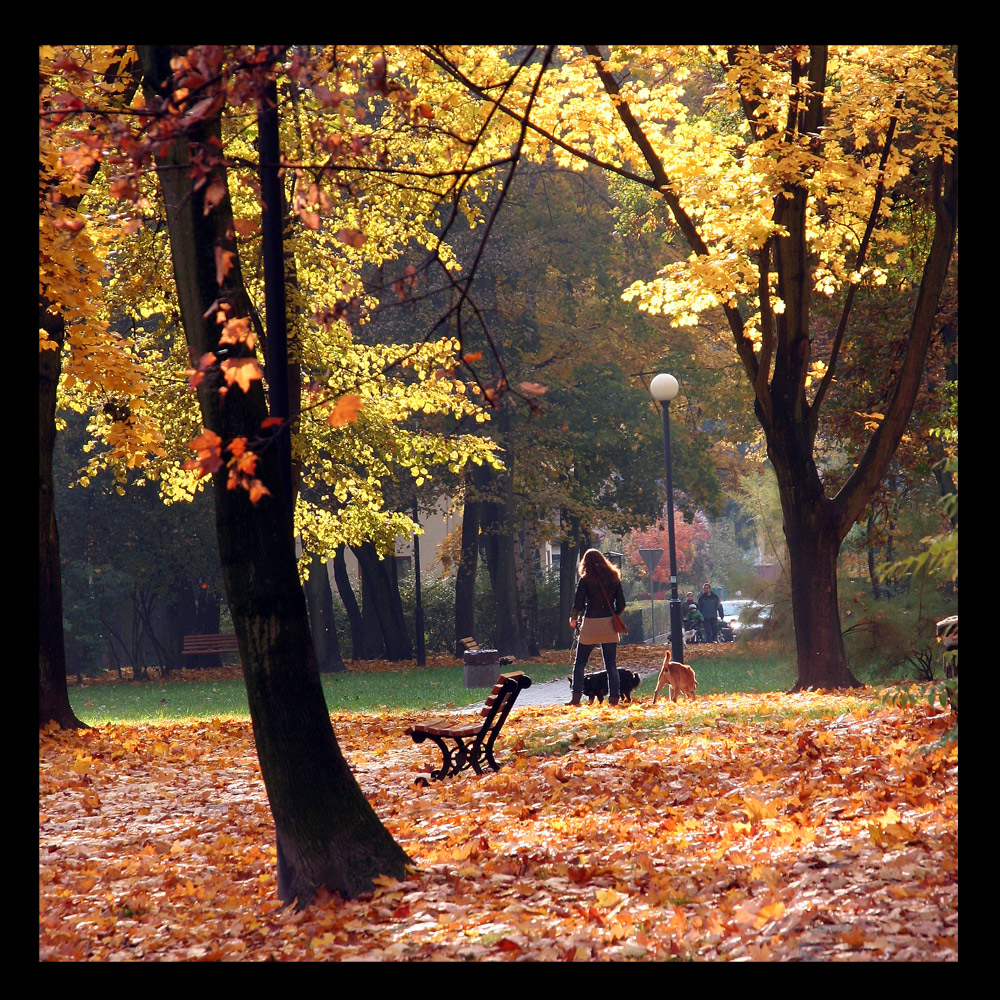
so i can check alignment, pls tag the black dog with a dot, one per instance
(596, 685)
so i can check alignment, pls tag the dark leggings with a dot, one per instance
(609, 650)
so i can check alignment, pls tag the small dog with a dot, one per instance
(596, 685)
(679, 676)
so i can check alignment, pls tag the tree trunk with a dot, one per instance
(526, 555)
(498, 541)
(380, 594)
(468, 566)
(327, 832)
(571, 547)
(350, 603)
(53, 695)
(319, 598)
(819, 645)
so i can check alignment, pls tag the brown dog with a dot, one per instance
(679, 676)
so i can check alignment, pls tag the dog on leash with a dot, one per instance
(595, 685)
(679, 676)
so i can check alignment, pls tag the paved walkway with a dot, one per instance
(558, 692)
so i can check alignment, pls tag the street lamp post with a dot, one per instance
(664, 388)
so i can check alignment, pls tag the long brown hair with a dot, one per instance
(599, 569)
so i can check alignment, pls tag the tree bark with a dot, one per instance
(319, 598)
(350, 603)
(327, 832)
(498, 543)
(53, 694)
(380, 594)
(571, 547)
(468, 567)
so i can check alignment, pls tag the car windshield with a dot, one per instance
(753, 609)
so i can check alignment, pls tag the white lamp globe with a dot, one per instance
(664, 388)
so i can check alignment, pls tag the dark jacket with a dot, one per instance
(590, 598)
(710, 605)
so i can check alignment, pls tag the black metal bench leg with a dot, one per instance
(446, 766)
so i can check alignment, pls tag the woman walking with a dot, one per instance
(597, 595)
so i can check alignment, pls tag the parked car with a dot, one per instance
(746, 617)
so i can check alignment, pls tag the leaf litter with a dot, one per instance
(733, 827)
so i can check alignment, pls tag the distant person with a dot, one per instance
(598, 593)
(710, 606)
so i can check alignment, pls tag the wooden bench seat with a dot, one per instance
(473, 741)
(196, 645)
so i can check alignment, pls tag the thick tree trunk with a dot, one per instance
(350, 603)
(327, 833)
(819, 645)
(380, 593)
(468, 566)
(319, 598)
(498, 541)
(571, 547)
(53, 695)
(526, 555)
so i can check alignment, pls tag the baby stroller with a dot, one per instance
(700, 633)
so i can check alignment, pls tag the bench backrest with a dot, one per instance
(501, 700)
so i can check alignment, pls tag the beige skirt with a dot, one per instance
(596, 631)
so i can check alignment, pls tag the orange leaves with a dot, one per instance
(242, 463)
(631, 846)
(241, 372)
(346, 410)
(225, 261)
(208, 446)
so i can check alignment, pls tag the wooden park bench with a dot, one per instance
(473, 741)
(195, 645)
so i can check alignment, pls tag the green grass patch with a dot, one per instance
(417, 689)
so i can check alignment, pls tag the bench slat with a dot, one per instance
(224, 642)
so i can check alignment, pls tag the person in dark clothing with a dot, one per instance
(710, 606)
(598, 593)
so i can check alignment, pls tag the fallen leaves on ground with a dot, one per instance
(809, 832)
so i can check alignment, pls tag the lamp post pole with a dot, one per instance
(663, 389)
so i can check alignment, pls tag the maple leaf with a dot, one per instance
(352, 237)
(225, 260)
(214, 194)
(257, 490)
(242, 371)
(346, 411)
(209, 447)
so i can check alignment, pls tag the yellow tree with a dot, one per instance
(327, 833)
(783, 188)
(74, 341)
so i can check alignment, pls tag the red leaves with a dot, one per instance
(242, 463)
(208, 445)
